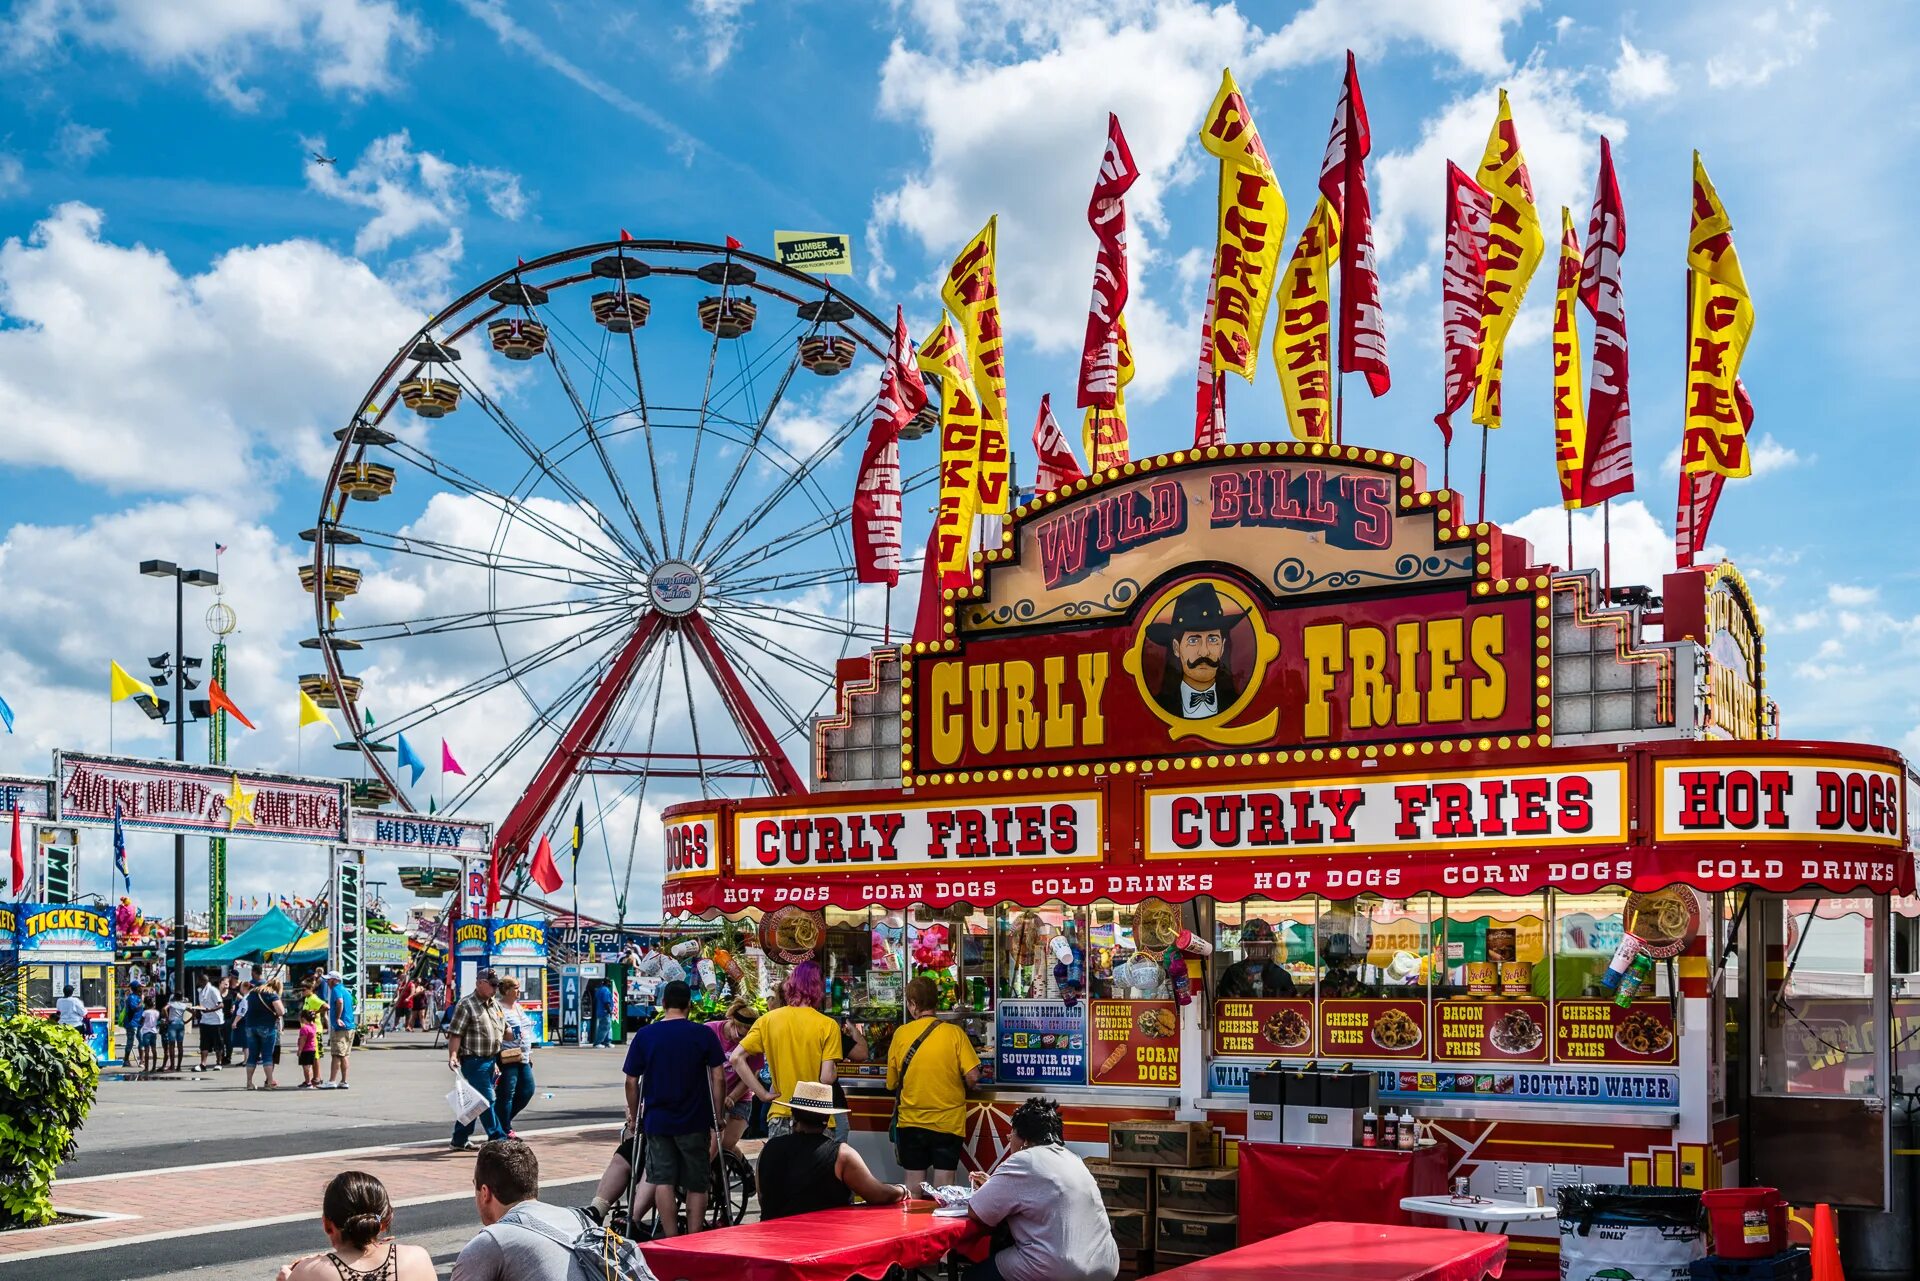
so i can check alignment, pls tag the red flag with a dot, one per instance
(1107, 215)
(1700, 494)
(623, 234)
(1057, 465)
(876, 495)
(545, 874)
(217, 701)
(1209, 391)
(734, 244)
(927, 616)
(1343, 181)
(1463, 291)
(1609, 448)
(19, 857)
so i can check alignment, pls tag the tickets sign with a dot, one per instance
(1370, 1028)
(1465, 810)
(1601, 1032)
(692, 844)
(1271, 1028)
(1491, 1031)
(1732, 799)
(1133, 1043)
(165, 796)
(957, 835)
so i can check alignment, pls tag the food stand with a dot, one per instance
(516, 949)
(1265, 752)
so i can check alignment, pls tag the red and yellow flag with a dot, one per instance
(1514, 248)
(1302, 334)
(1253, 222)
(1103, 432)
(974, 299)
(944, 356)
(1720, 321)
(1569, 414)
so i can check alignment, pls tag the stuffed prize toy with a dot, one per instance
(1069, 970)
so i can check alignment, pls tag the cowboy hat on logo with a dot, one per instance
(1196, 609)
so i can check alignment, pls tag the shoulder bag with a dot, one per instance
(893, 1126)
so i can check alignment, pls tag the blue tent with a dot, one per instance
(274, 930)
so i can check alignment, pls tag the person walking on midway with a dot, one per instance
(807, 1169)
(130, 1019)
(515, 1088)
(261, 1018)
(800, 1044)
(341, 1020)
(309, 1051)
(149, 1034)
(473, 1050)
(739, 1103)
(357, 1218)
(602, 1014)
(929, 1067)
(230, 998)
(674, 1067)
(213, 1025)
(173, 1032)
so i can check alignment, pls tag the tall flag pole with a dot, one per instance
(962, 426)
(1343, 183)
(877, 514)
(974, 299)
(1463, 301)
(1303, 332)
(1514, 248)
(1252, 226)
(1719, 323)
(1102, 385)
(1609, 449)
(1055, 464)
(579, 838)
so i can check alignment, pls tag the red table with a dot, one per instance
(1355, 1252)
(827, 1245)
(1284, 1186)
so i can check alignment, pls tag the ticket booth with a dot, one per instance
(517, 949)
(61, 945)
(469, 952)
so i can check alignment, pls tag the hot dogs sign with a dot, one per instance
(1208, 607)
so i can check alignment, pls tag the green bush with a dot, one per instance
(47, 1082)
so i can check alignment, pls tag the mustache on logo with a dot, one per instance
(1194, 663)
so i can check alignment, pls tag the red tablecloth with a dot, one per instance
(1284, 1186)
(1355, 1252)
(828, 1245)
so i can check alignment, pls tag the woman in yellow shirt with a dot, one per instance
(799, 1042)
(930, 1115)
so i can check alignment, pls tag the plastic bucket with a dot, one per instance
(1747, 1223)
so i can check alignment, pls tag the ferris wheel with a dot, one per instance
(592, 521)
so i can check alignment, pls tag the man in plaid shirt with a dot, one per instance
(474, 1033)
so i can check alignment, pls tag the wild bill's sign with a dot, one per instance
(165, 796)
(1278, 602)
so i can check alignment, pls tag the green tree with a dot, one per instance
(48, 1080)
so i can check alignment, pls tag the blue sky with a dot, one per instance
(188, 305)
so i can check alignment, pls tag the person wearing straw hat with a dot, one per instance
(807, 1169)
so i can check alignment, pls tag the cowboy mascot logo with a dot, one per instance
(1198, 658)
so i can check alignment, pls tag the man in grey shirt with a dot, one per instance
(521, 1237)
(1048, 1200)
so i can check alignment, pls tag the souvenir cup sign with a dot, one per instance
(164, 796)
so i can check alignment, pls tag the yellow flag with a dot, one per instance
(1103, 432)
(1514, 248)
(974, 299)
(120, 685)
(944, 356)
(1253, 222)
(1302, 334)
(312, 713)
(1719, 323)
(1569, 416)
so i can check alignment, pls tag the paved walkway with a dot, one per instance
(223, 1196)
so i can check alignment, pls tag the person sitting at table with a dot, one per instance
(807, 1169)
(358, 1220)
(1048, 1201)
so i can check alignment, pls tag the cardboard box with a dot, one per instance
(1201, 1235)
(1179, 1144)
(1123, 1187)
(1207, 1191)
(1132, 1229)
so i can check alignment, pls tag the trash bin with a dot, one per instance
(1621, 1232)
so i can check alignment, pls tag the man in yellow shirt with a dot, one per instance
(930, 1065)
(800, 1044)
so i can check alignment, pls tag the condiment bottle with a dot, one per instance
(1390, 1128)
(1636, 978)
(1369, 1129)
(1409, 1135)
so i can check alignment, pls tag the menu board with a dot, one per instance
(1491, 1031)
(1281, 1028)
(1602, 1032)
(1041, 1043)
(1133, 1043)
(1384, 1028)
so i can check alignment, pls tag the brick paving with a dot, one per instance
(222, 1197)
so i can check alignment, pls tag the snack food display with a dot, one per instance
(1157, 1023)
(1286, 1029)
(1516, 1032)
(1393, 1030)
(1641, 1033)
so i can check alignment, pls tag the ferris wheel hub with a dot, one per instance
(676, 588)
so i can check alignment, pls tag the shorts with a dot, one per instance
(679, 1161)
(173, 1033)
(309, 1058)
(263, 1044)
(743, 1110)
(922, 1149)
(339, 1042)
(148, 1040)
(212, 1037)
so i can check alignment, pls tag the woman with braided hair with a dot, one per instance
(1047, 1200)
(357, 1217)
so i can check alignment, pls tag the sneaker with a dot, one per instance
(214, 1068)
(342, 1086)
(465, 1146)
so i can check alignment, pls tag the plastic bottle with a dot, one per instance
(1390, 1128)
(1409, 1136)
(1369, 1129)
(1636, 978)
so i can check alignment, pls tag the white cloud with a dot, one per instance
(107, 348)
(1765, 44)
(13, 174)
(1642, 550)
(1852, 596)
(1770, 457)
(76, 143)
(1640, 75)
(353, 46)
(719, 26)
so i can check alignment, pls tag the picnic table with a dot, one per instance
(1355, 1252)
(1481, 1214)
(827, 1245)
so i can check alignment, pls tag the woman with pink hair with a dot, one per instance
(799, 1042)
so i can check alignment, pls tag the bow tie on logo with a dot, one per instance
(1201, 701)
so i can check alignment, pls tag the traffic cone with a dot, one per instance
(1826, 1246)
